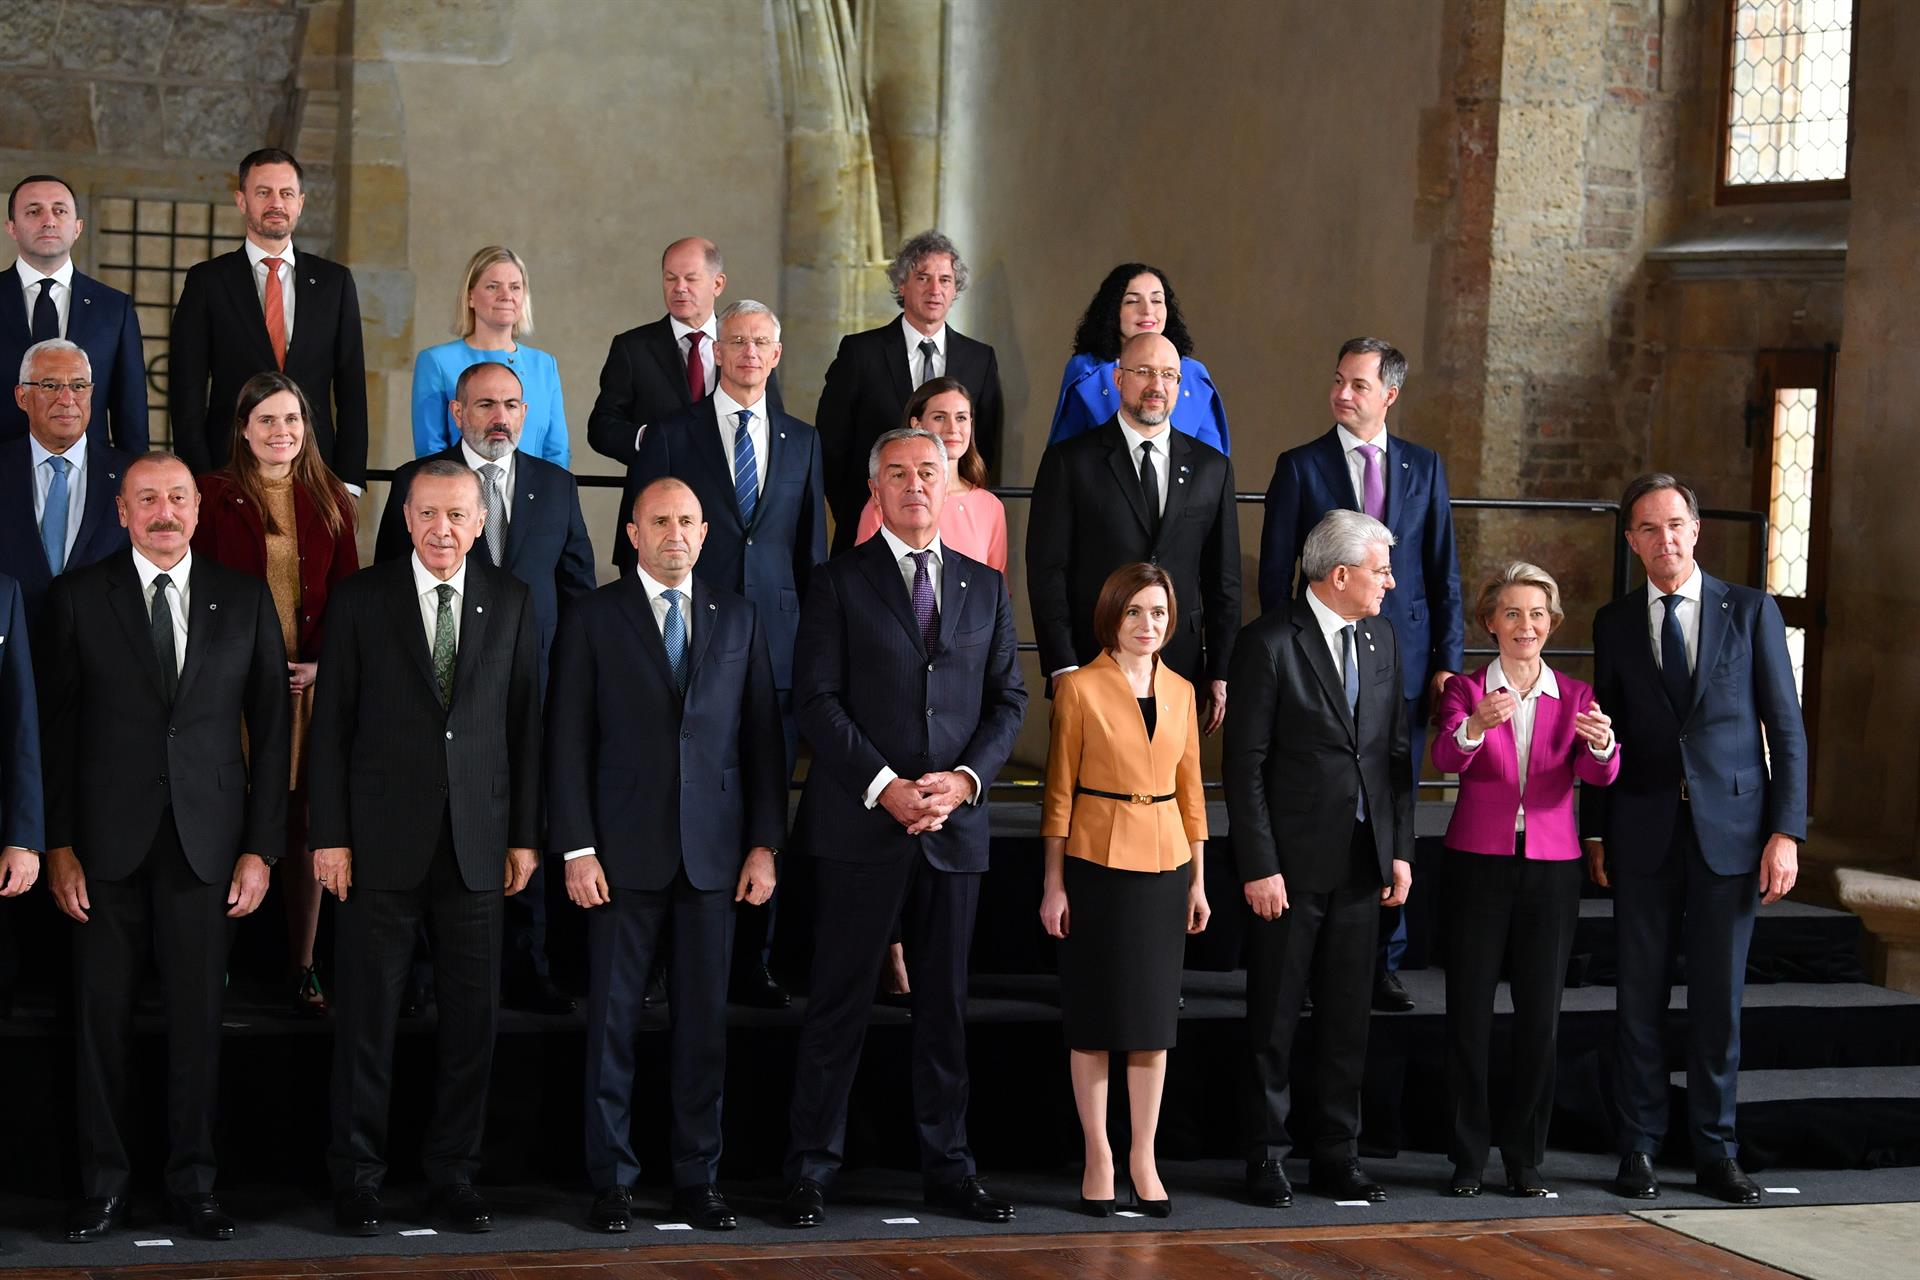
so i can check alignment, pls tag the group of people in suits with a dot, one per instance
(414, 738)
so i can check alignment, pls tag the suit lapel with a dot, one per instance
(474, 620)
(1394, 473)
(1713, 631)
(884, 576)
(103, 485)
(531, 482)
(1124, 473)
(707, 449)
(124, 599)
(405, 605)
(203, 617)
(1331, 459)
(955, 574)
(639, 611)
(1307, 634)
(1179, 453)
(238, 275)
(666, 353)
(79, 310)
(896, 355)
(700, 603)
(15, 333)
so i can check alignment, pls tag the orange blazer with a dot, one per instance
(1100, 741)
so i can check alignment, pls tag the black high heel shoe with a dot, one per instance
(1097, 1208)
(1162, 1208)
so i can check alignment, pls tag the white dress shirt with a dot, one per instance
(505, 464)
(903, 556)
(729, 411)
(426, 587)
(76, 456)
(30, 278)
(1330, 626)
(914, 355)
(257, 257)
(1134, 441)
(1357, 464)
(1689, 607)
(178, 597)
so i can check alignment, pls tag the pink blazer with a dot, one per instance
(1490, 796)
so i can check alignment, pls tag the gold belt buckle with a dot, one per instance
(1137, 798)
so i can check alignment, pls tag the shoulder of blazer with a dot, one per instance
(550, 474)
(1417, 454)
(85, 286)
(649, 331)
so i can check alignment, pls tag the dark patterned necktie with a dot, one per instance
(1150, 487)
(443, 643)
(925, 611)
(162, 619)
(46, 316)
(1673, 658)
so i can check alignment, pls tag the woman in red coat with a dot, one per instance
(275, 511)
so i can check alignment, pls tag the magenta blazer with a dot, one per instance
(1490, 797)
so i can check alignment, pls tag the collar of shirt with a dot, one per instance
(1330, 622)
(1545, 687)
(729, 409)
(505, 464)
(148, 571)
(1135, 440)
(424, 581)
(901, 550)
(30, 277)
(655, 587)
(76, 454)
(1691, 589)
(914, 338)
(1349, 441)
(680, 331)
(256, 255)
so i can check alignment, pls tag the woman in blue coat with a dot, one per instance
(1134, 298)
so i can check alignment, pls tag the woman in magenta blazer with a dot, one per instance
(1518, 733)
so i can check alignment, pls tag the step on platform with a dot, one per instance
(1829, 1118)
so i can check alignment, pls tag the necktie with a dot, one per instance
(1350, 678)
(443, 643)
(1150, 487)
(46, 317)
(495, 528)
(161, 617)
(1373, 485)
(925, 611)
(696, 368)
(276, 307)
(1673, 658)
(53, 518)
(674, 635)
(746, 476)
(927, 352)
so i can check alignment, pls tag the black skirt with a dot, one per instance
(1121, 960)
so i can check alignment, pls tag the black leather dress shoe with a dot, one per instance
(1723, 1180)
(1346, 1182)
(94, 1217)
(1388, 995)
(1465, 1184)
(970, 1197)
(1267, 1185)
(536, 995)
(1524, 1182)
(465, 1208)
(202, 1216)
(805, 1205)
(756, 988)
(704, 1207)
(612, 1210)
(1636, 1180)
(358, 1212)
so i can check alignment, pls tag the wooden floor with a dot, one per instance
(1616, 1246)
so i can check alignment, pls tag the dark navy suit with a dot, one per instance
(868, 695)
(1684, 825)
(670, 791)
(22, 814)
(101, 533)
(101, 322)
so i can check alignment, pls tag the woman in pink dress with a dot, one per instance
(973, 522)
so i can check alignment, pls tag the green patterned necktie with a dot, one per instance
(443, 643)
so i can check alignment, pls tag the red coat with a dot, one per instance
(233, 532)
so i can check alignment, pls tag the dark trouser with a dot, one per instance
(373, 945)
(1323, 941)
(623, 936)
(524, 926)
(1499, 907)
(1680, 903)
(166, 911)
(858, 904)
(753, 930)
(1393, 920)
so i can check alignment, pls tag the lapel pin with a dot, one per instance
(1723, 604)
(479, 608)
(711, 605)
(86, 302)
(311, 280)
(212, 606)
(783, 435)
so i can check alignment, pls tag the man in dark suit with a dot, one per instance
(874, 373)
(667, 797)
(23, 825)
(1136, 490)
(907, 686)
(759, 481)
(424, 795)
(265, 307)
(45, 297)
(163, 680)
(1320, 799)
(1356, 467)
(536, 532)
(1705, 818)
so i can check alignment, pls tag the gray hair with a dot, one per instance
(895, 436)
(922, 246)
(748, 307)
(1653, 482)
(51, 344)
(1341, 537)
(1393, 365)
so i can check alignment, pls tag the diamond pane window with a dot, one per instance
(1790, 503)
(1791, 62)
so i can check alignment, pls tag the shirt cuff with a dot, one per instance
(354, 489)
(638, 435)
(1461, 740)
(1604, 756)
(879, 784)
(978, 790)
(571, 854)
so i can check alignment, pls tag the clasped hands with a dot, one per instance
(922, 804)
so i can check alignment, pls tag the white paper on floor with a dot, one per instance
(673, 1226)
(148, 1244)
(901, 1222)
(1781, 1191)
(1353, 1204)
(421, 1231)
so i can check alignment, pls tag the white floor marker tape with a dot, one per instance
(901, 1222)
(421, 1231)
(149, 1244)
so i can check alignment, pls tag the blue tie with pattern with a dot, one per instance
(746, 477)
(1673, 658)
(674, 634)
(1350, 678)
(53, 517)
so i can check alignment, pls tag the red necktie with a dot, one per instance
(696, 372)
(276, 305)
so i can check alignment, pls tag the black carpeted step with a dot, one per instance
(1832, 1118)
(1792, 942)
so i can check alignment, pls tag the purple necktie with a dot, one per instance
(925, 611)
(1373, 486)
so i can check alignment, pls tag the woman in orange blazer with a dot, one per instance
(275, 511)
(1125, 828)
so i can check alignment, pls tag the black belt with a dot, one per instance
(1124, 797)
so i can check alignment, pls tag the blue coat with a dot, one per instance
(437, 370)
(1424, 606)
(101, 533)
(1088, 398)
(102, 323)
(22, 814)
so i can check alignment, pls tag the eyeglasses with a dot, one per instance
(53, 387)
(1380, 575)
(739, 342)
(1169, 376)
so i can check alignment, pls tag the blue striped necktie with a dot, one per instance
(674, 635)
(53, 517)
(746, 476)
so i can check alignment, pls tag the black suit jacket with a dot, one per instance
(547, 543)
(643, 381)
(651, 780)
(22, 808)
(865, 396)
(769, 562)
(386, 761)
(1088, 518)
(867, 696)
(117, 755)
(102, 322)
(101, 533)
(220, 338)
(1294, 759)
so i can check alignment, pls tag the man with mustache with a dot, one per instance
(261, 307)
(164, 680)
